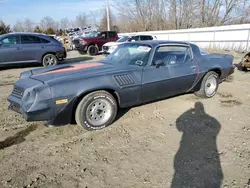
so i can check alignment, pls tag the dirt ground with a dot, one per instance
(178, 140)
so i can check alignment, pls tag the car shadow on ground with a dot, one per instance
(197, 161)
(38, 65)
(76, 60)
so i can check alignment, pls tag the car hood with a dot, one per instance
(112, 43)
(69, 71)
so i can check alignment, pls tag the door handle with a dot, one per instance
(18, 48)
(193, 67)
(43, 46)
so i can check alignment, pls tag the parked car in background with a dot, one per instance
(134, 74)
(244, 64)
(93, 42)
(16, 48)
(109, 47)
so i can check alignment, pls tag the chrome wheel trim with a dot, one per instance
(98, 112)
(210, 85)
(50, 60)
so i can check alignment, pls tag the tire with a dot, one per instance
(49, 60)
(99, 105)
(244, 69)
(209, 80)
(240, 66)
(92, 50)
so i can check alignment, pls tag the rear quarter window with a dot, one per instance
(112, 34)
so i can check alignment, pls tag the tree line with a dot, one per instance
(146, 15)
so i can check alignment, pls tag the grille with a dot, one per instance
(124, 79)
(105, 48)
(17, 92)
(76, 41)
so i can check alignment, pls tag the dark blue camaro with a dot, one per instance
(135, 73)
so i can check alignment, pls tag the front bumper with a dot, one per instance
(42, 107)
(42, 112)
(81, 47)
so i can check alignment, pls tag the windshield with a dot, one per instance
(123, 39)
(91, 35)
(130, 54)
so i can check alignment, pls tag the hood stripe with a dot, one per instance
(72, 68)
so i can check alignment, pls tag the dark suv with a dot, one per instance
(30, 48)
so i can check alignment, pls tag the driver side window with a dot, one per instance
(134, 38)
(172, 54)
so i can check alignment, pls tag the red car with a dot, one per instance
(92, 44)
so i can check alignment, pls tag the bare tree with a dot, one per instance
(4, 28)
(81, 20)
(64, 23)
(18, 27)
(146, 15)
(48, 22)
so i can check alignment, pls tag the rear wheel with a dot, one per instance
(209, 85)
(96, 110)
(92, 50)
(49, 60)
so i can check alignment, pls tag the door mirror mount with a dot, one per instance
(159, 63)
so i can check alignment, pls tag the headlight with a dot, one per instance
(29, 98)
(112, 48)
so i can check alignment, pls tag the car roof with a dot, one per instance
(154, 43)
(22, 33)
(133, 35)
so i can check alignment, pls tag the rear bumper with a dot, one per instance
(231, 71)
(61, 54)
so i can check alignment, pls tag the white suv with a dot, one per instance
(109, 47)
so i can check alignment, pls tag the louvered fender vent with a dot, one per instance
(124, 79)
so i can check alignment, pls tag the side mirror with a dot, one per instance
(159, 63)
(133, 40)
(1, 43)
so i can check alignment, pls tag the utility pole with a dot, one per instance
(107, 10)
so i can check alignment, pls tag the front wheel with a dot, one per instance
(209, 85)
(92, 50)
(96, 110)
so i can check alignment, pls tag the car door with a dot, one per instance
(111, 36)
(10, 50)
(170, 77)
(31, 47)
(183, 71)
(102, 39)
